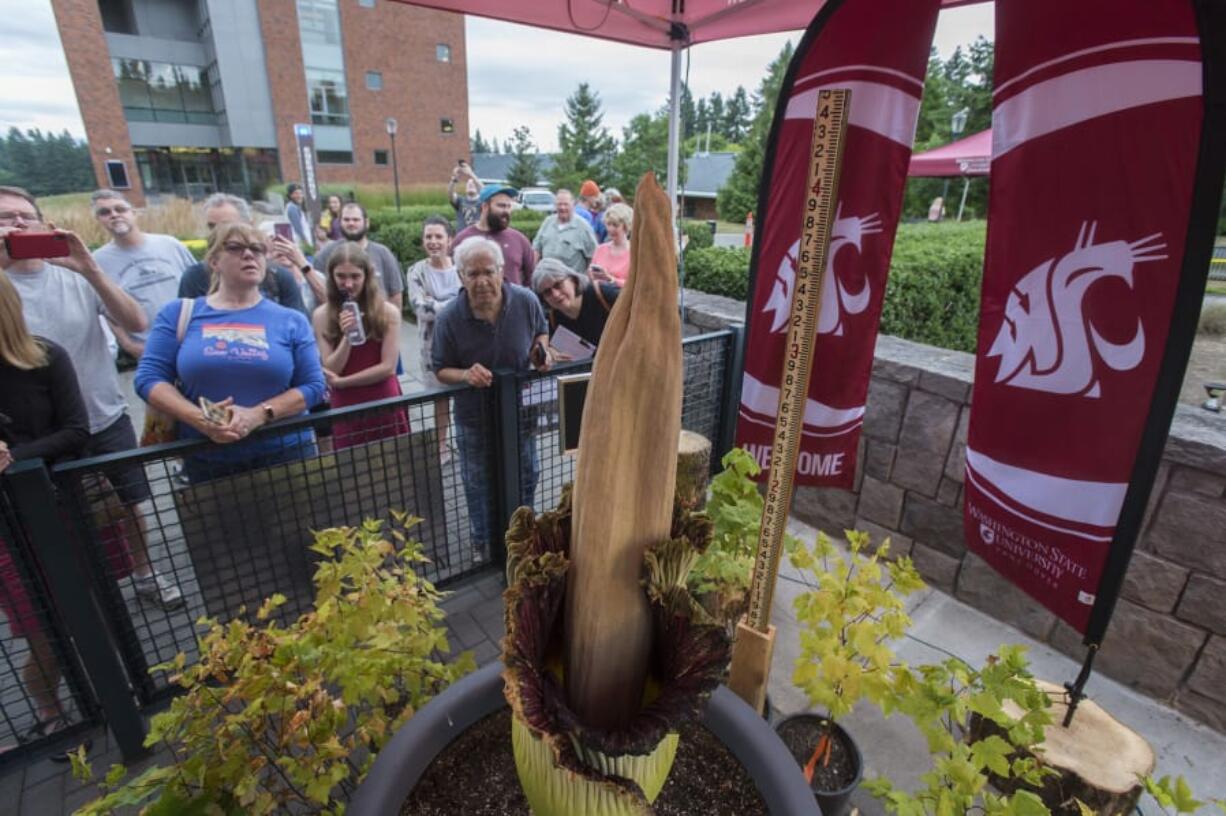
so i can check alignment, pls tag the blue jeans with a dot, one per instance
(476, 449)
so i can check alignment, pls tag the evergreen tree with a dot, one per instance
(689, 115)
(526, 168)
(644, 148)
(702, 117)
(716, 106)
(964, 81)
(45, 163)
(586, 149)
(737, 115)
(740, 193)
(479, 145)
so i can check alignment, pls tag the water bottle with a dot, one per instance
(356, 335)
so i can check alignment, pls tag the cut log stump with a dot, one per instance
(693, 469)
(1098, 758)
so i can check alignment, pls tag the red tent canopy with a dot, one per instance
(649, 22)
(965, 157)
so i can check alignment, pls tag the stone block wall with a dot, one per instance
(1168, 635)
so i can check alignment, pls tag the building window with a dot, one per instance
(374, 80)
(442, 52)
(380, 157)
(446, 125)
(366, 3)
(334, 156)
(161, 92)
(327, 96)
(117, 16)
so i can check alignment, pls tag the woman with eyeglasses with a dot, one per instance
(256, 360)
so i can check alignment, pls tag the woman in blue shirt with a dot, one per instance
(257, 360)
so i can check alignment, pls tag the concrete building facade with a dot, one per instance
(188, 97)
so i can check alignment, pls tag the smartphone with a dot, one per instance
(22, 245)
(537, 354)
(282, 229)
(462, 162)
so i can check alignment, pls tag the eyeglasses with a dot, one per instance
(239, 248)
(11, 216)
(118, 209)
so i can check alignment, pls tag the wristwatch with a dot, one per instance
(269, 413)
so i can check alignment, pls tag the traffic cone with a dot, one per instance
(749, 230)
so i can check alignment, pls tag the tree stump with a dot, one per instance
(693, 469)
(1099, 759)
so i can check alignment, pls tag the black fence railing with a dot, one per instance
(112, 560)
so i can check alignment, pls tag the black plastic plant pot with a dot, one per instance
(404, 760)
(799, 734)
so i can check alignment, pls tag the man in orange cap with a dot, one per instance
(591, 210)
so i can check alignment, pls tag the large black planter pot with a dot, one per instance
(832, 803)
(405, 758)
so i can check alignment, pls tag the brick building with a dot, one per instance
(188, 97)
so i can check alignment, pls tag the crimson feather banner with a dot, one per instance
(1105, 181)
(878, 49)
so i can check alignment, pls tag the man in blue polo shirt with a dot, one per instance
(491, 324)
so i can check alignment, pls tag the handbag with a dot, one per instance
(160, 426)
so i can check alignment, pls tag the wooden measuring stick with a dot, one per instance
(755, 637)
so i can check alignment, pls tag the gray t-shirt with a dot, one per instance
(60, 305)
(149, 273)
(387, 268)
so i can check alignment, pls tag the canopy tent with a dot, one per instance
(966, 157)
(665, 24)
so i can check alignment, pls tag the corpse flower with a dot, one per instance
(606, 652)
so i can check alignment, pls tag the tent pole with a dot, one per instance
(674, 123)
(966, 185)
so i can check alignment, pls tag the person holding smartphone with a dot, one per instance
(467, 207)
(62, 302)
(281, 285)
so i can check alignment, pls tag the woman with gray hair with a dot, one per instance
(572, 300)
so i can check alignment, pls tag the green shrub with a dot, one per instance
(699, 233)
(933, 291)
(401, 231)
(718, 270)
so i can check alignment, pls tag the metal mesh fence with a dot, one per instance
(169, 534)
(705, 360)
(42, 691)
(213, 531)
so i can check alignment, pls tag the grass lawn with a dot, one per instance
(1215, 288)
(65, 200)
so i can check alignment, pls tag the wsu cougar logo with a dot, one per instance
(836, 299)
(1044, 342)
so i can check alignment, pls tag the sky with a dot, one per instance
(516, 75)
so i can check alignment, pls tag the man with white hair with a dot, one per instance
(146, 265)
(490, 325)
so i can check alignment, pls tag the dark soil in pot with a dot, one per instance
(475, 776)
(832, 782)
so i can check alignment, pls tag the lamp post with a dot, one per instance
(957, 123)
(391, 132)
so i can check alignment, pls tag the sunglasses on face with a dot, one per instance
(118, 209)
(239, 248)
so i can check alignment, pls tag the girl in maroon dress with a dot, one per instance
(365, 372)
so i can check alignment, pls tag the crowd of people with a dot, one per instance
(273, 323)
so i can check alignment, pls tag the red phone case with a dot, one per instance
(23, 245)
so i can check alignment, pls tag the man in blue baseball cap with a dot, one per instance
(497, 201)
